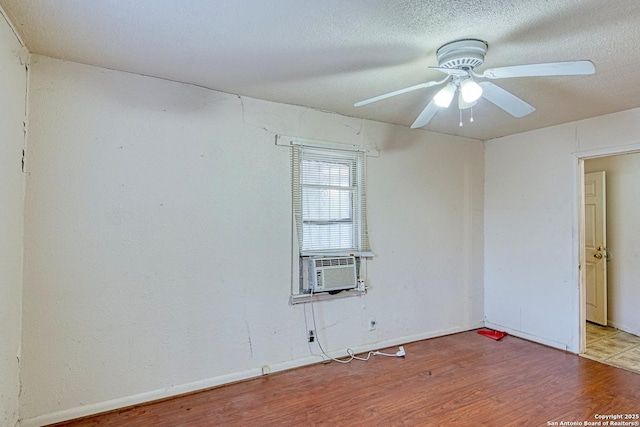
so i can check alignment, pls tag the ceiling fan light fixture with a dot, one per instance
(470, 91)
(458, 60)
(462, 104)
(444, 97)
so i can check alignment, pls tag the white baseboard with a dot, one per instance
(625, 328)
(110, 405)
(530, 337)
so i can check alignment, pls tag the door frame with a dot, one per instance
(582, 287)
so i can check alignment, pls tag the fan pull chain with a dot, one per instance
(470, 116)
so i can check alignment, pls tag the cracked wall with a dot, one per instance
(13, 86)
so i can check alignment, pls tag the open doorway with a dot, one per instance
(616, 338)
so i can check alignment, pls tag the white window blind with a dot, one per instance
(329, 201)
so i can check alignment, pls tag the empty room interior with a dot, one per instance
(196, 196)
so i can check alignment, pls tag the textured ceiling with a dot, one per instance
(329, 54)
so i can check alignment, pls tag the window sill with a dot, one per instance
(356, 254)
(324, 296)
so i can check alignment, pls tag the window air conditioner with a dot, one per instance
(332, 274)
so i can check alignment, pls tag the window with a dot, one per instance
(330, 240)
(329, 201)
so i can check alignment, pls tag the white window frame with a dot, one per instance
(355, 159)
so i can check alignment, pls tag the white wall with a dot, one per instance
(623, 237)
(12, 114)
(531, 224)
(158, 239)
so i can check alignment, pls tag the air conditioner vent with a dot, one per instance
(333, 262)
(332, 273)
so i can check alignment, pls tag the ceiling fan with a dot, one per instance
(458, 59)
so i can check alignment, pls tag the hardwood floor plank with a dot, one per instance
(457, 380)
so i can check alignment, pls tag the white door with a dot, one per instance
(595, 247)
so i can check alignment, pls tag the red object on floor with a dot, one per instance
(494, 335)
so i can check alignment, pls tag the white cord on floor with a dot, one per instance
(351, 355)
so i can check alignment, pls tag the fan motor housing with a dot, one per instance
(466, 53)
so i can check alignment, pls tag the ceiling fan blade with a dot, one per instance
(399, 92)
(570, 68)
(427, 114)
(505, 100)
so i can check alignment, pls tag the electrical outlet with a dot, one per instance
(372, 324)
(311, 335)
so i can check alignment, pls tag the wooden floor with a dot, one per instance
(459, 380)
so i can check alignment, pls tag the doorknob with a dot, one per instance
(598, 255)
